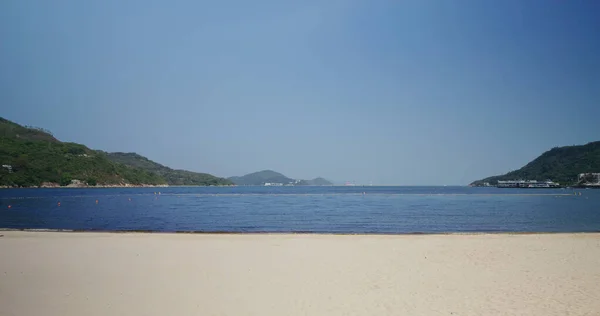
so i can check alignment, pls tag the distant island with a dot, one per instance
(33, 157)
(270, 177)
(568, 165)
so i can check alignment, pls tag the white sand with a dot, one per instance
(46, 273)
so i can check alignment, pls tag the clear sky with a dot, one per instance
(393, 92)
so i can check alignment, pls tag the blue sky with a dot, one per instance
(393, 92)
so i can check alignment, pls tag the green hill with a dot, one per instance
(560, 164)
(172, 176)
(13, 130)
(33, 156)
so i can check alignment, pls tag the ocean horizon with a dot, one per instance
(311, 209)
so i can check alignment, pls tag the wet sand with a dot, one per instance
(53, 273)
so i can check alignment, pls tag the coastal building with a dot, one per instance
(8, 167)
(527, 184)
(591, 178)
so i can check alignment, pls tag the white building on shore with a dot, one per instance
(8, 167)
(591, 178)
(527, 184)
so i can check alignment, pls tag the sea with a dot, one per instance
(332, 209)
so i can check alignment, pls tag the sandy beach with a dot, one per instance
(52, 273)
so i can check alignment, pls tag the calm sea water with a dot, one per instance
(303, 209)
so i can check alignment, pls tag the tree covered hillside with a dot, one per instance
(32, 156)
(172, 176)
(560, 164)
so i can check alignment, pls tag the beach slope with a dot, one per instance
(52, 273)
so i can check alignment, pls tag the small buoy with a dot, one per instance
(154, 193)
(158, 193)
(96, 201)
(9, 206)
(129, 199)
(58, 203)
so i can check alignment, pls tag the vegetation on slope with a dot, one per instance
(10, 129)
(560, 164)
(36, 157)
(172, 176)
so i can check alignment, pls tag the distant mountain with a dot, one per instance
(270, 176)
(261, 177)
(560, 164)
(172, 176)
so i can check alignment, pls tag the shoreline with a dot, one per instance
(300, 233)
